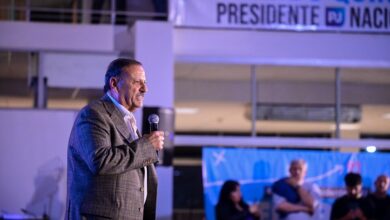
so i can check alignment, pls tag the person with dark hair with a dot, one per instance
(352, 206)
(380, 200)
(231, 206)
(111, 173)
(293, 197)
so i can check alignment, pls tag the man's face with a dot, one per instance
(131, 87)
(382, 184)
(298, 170)
(354, 191)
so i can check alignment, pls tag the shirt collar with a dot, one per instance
(121, 108)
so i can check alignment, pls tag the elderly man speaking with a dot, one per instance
(111, 173)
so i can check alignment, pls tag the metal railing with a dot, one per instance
(75, 13)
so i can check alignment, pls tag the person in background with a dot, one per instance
(293, 198)
(352, 206)
(380, 200)
(231, 206)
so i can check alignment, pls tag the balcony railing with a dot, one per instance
(79, 12)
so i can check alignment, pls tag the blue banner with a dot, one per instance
(257, 169)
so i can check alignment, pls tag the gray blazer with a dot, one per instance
(105, 175)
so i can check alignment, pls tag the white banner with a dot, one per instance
(313, 15)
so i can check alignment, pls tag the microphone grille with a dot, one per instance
(153, 119)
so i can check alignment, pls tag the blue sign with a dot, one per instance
(257, 169)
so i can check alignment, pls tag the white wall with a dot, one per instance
(282, 48)
(75, 70)
(34, 36)
(203, 45)
(33, 161)
(154, 48)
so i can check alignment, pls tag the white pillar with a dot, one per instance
(154, 49)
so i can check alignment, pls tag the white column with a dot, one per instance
(154, 49)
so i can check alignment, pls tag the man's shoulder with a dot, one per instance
(342, 199)
(387, 197)
(280, 185)
(96, 104)
(372, 197)
(96, 107)
(280, 181)
(311, 185)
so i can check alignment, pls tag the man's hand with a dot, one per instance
(305, 196)
(350, 215)
(359, 214)
(254, 209)
(306, 209)
(156, 138)
(354, 214)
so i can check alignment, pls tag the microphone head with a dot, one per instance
(153, 119)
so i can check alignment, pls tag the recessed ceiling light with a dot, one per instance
(346, 127)
(371, 149)
(186, 111)
(386, 116)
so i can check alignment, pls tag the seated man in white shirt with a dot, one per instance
(293, 198)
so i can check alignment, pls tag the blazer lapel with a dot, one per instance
(139, 133)
(117, 118)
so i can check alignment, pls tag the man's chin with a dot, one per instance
(139, 105)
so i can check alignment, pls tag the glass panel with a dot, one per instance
(216, 99)
(15, 89)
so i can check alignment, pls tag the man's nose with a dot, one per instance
(144, 87)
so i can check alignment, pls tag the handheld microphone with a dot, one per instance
(153, 122)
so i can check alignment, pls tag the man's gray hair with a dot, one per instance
(115, 69)
(299, 161)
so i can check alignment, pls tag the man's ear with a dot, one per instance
(114, 83)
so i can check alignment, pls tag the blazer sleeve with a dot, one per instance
(93, 139)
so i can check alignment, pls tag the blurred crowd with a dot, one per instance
(294, 198)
